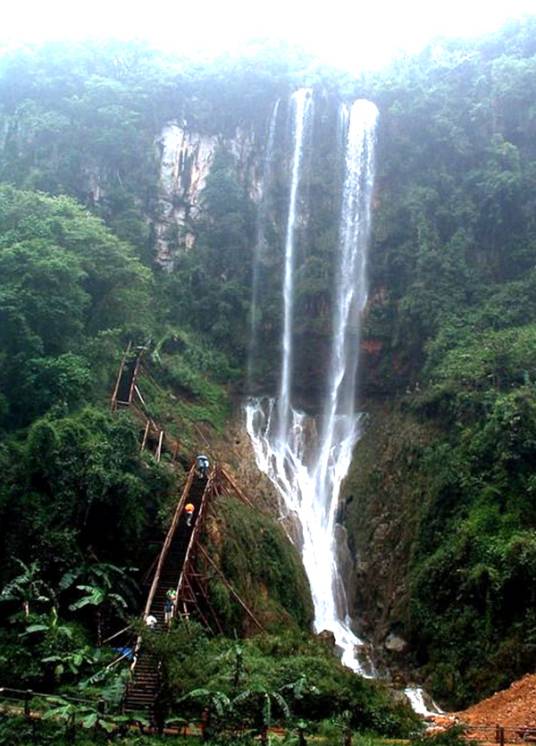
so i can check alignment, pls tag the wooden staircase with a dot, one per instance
(126, 378)
(174, 562)
(127, 395)
(176, 567)
(143, 689)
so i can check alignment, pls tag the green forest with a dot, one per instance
(448, 380)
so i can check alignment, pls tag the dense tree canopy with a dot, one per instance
(64, 280)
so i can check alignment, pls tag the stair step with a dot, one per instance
(142, 690)
(146, 681)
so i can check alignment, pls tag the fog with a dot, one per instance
(350, 35)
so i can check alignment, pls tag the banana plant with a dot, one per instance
(261, 702)
(105, 575)
(108, 588)
(58, 642)
(73, 713)
(28, 587)
(72, 661)
(52, 626)
(216, 706)
(91, 716)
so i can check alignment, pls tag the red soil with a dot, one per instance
(510, 708)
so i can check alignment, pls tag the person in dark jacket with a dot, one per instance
(201, 466)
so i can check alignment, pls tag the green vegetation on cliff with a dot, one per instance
(256, 556)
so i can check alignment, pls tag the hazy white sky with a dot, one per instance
(341, 32)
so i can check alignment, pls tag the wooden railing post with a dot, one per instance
(121, 366)
(159, 447)
(27, 697)
(134, 376)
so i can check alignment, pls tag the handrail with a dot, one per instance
(30, 693)
(510, 727)
(500, 734)
(117, 660)
(170, 443)
(116, 634)
(134, 376)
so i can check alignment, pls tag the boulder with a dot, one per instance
(395, 643)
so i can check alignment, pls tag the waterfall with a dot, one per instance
(301, 109)
(307, 458)
(260, 244)
(422, 703)
(340, 430)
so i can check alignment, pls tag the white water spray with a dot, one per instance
(305, 459)
(421, 703)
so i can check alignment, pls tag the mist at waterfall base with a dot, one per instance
(307, 458)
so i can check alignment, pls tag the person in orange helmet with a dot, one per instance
(189, 509)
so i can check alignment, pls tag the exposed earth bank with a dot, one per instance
(512, 707)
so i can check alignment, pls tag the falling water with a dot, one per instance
(308, 459)
(340, 430)
(422, 703)
(301, 108)
(260, 245)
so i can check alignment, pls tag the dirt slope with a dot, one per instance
(511, 707)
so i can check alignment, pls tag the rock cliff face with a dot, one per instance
(185, 159)
(381, 499)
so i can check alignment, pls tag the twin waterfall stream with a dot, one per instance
(307, 458)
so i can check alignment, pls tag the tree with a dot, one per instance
(63, 278)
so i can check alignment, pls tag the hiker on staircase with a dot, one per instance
(201, 466)
(151, 621)
(189, 509)
(169, 605)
